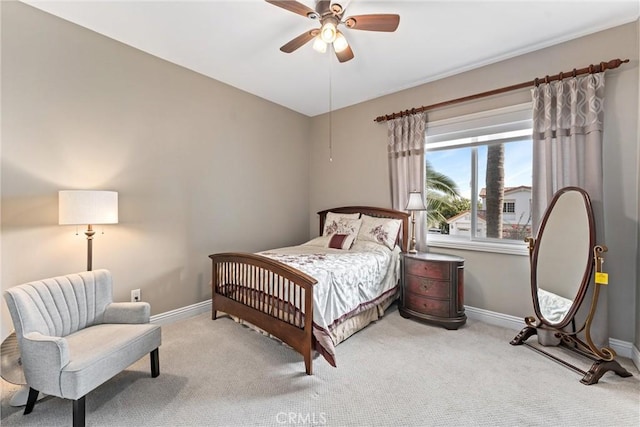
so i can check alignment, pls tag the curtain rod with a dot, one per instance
(591, 69)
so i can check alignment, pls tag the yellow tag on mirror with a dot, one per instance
(602, 278)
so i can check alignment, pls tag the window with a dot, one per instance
(509, 207)
(487, 156)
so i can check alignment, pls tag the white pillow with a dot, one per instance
(332, 219)
(380, 230)
(322, 241)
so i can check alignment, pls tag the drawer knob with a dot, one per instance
(426, 286)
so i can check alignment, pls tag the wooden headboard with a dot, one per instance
(403, 236)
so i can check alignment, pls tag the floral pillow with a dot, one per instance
(344, 226)
(380, 230)
(333, 225)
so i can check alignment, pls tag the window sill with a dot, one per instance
(519, 249)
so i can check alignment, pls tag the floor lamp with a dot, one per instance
(83, 207)
(415, 203)
(75, 207)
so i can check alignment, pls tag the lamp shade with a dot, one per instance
(80, 207)
(416, 202)
(328, 31)
(340, 43)
(319, 45)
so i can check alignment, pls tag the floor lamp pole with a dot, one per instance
(89, 233)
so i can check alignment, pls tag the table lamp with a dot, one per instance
(415, 203)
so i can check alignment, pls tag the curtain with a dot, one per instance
(567, 151)
(406, 139)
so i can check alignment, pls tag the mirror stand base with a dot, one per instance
(597, 370)
(523, 335)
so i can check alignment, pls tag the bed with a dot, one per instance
(297, 294)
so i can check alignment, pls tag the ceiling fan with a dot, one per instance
(330, 17)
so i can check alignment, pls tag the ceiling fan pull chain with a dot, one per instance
(330, 111)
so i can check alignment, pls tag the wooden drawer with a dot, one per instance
(433, 307)
(433, 270)
(427, 287)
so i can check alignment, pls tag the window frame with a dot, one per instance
(466, 126)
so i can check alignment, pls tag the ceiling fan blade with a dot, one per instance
(295, 7)
(376, 22)
(345, 55)
(299, 41)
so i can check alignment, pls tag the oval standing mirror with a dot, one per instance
(563, 257)
(561, 260)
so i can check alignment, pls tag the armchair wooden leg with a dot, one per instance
(78, 412)
(155, 363)
(31, 401)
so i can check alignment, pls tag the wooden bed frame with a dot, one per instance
(275, 297)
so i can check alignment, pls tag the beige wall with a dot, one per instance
(500, 283)
(200, 167)
(637, 337)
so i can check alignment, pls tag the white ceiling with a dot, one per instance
(237, 42)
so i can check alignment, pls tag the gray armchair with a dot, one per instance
(73, 338)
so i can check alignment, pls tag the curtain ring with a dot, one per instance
(546, 79)
(574, 73)
(603, 66)
(536, 82)
(560, 76)
(590, 68)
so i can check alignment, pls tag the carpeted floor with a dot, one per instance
(395, 372)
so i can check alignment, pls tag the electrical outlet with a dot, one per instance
(135, 295)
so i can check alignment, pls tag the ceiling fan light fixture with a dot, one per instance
(330, 14)
(328, 32)
(319, 45)
(340, 43)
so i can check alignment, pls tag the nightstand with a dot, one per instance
(433, 289)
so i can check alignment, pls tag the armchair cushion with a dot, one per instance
(102, 351)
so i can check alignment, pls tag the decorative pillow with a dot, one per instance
(341, 241)
(334, 223)
(380, 230)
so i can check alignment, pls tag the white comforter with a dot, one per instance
(553, 307)
(348, 281)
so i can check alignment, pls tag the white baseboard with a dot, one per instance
(494, 318)
(181, 313)
(622, 348)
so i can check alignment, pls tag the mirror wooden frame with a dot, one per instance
(588, 262)
(604, 358)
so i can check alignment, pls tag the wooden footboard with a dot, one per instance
(268, 294)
